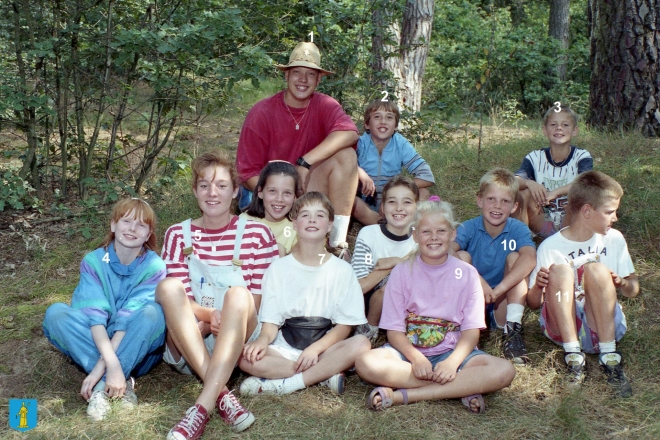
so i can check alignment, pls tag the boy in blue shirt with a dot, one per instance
(382, 154)
(502, 251)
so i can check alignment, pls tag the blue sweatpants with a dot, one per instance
(139, 351)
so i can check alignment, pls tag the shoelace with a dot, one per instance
(617, 373)
(230, 406)
(193, 420)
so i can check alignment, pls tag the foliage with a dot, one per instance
(15, 192)
(481, 62)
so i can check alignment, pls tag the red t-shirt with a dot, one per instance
(269, 131)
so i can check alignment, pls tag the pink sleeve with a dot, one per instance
(393, 316)
(474, 306)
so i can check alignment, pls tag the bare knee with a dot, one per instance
(511, 260)
(465, 256)
(237, 299)
(559, 272)
(368, 365)
(169, 291)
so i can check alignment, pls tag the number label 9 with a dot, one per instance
(459, 273)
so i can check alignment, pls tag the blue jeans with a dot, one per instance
(140, 349)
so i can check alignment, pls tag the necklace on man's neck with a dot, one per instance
(303, 116)
(562, 162)
(209, 235)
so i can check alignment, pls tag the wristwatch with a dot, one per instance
(301, 162)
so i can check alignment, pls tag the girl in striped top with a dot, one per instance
(211, 296)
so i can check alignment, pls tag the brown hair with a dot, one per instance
(500, 177)
(378, 104)
(401, 181)
(309, 199)
(273, 168)
(592, 188)
(212, 159)
(562, 109)
(138, 209)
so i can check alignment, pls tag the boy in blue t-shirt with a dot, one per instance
(382, 154)
(502, 251)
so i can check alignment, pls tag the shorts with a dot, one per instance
(367, 296)
(437, 358)
(182, 366)
(282, 347)
(586, 336)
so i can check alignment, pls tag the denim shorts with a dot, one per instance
(437, 358)
(588, 338)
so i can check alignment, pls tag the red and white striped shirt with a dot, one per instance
(258, 250)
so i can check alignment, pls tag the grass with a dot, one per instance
(535, 406)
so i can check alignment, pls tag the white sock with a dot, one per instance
(339, 229)
(607, 347)
(571, 347)
(100, 386)
(293, 383)
(514, 313)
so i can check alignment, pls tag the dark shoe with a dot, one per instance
(577, 368)
(612, 366)
(514, 344)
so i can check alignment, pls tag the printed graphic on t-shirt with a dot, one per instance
(578, 271)
(555, 211)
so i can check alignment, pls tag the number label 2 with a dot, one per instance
(385, 94)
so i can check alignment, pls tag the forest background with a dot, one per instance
(100, 99)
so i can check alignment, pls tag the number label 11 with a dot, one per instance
(559, 296)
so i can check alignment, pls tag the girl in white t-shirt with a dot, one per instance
(433, 310)
(310, 302)
(272, 199)
(379, 248)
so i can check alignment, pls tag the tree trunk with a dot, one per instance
(415, 40)
(558, 28)
(625, 79)
(402, 50)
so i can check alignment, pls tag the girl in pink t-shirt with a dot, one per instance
(433, 312)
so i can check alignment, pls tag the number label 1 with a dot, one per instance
(322, 257)
(511, 243)
(368, 259)
(385, 94)
(311, 37)
(557, 106)
(287, 231)
(459, 273)
(106, 258)
(559, 296)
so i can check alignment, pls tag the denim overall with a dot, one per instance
(210, 283)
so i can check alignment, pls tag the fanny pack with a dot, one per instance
(303, 331)
(425, 332)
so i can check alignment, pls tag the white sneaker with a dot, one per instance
(129, 399)
(98, 405)
(253, 386)
(336, 383)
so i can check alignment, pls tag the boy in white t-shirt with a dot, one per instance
(545, 175)
(310, 302)
(576, 279)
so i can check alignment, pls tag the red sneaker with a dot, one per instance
(192, 426)
(233, 413)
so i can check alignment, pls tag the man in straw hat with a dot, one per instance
(308, 129)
